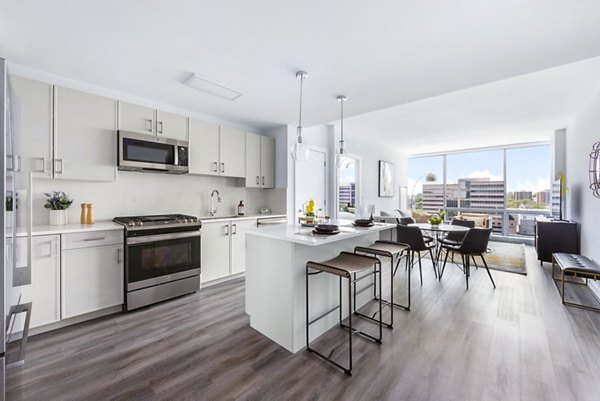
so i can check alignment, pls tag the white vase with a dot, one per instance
(58, 217)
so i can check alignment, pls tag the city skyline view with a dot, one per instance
(527, 168)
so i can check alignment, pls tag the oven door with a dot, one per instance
(158, 258)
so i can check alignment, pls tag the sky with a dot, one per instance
(527, 168)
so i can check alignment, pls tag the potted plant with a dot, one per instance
(437, 218)
(58, 202)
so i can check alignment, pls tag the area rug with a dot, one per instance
(506, 257)
(503, 256)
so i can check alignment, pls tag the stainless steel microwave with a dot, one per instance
(149, 153)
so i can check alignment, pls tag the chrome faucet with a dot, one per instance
(213, 209)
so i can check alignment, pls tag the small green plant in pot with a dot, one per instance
(437, 218)
(58, 202)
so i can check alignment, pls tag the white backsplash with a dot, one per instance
(141, 193)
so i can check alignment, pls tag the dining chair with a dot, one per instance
(412, 236)
(404, 221)
(455, 238)
(474, 244)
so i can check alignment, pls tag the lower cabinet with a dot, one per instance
(91, 272)
(214, 255)
(44, 290)
(224, 248)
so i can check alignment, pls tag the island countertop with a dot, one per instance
(304, 235)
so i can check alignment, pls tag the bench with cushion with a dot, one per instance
(576, 266)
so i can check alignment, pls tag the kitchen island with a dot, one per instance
(275, 278)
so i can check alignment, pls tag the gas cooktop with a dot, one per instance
(157, 221)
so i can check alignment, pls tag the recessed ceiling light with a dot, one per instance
(212, 88)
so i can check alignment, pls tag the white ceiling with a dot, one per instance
(380, 54)
(527, 108)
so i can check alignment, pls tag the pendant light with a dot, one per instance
(341, 152)
(299, 150)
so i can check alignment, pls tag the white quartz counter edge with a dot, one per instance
(68, 228)
(303, 235)
(211, 219)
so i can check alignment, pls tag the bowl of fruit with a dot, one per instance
(435, 219)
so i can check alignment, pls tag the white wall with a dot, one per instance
(370, 153)
(142, 193)
(583, 207)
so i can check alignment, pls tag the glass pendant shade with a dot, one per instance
(299, 150)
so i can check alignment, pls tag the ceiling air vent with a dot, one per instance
(210, 87)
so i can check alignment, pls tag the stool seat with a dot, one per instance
(344, 264)
(383, 248)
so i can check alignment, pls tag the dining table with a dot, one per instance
(439, 232)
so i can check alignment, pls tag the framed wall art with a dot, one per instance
(386, 179)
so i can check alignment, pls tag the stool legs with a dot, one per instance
(352, 280)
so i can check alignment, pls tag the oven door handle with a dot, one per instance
(144, 239)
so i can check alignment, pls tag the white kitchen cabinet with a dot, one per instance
(233, 152)
(34, 104)
(171, 125)
(204, 148)
(85, 140)
(144, 120)
(238, 244)
(91, 272)
(260, 161)
(224, 248)
(134, 118)
(44, 290)
(217, 150)
(252, 160)
(215, 250)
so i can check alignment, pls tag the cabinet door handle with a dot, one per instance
(61, 163)
(263, 180)
(118, 256)
(222, 167)
(226, 229)
(234, 229)
(15, 165)
(95, 239)
(43, 169)
(257, 180)
(216, 170)
(149, 129)
(159, 124)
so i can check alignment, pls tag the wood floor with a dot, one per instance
(515, 342)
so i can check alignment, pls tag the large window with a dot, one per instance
(348, 173)
(504, 189)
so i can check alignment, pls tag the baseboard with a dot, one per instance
(68, 322)
(221, 280)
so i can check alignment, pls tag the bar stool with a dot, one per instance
(345, 265)
(394, 251)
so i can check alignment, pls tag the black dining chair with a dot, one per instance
(455, 238)
(414, 239)
(404, 221)
(474, 244)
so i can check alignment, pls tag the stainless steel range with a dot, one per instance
(162, 257)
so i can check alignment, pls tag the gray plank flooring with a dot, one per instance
(515, 342)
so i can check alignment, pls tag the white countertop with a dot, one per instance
(210, 219)
(304, 235)
(68, 228)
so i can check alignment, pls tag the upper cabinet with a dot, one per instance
(260, 161)
(216, 150)
(144, 120)
(85, 141)
(34, 102)
(233, 152)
